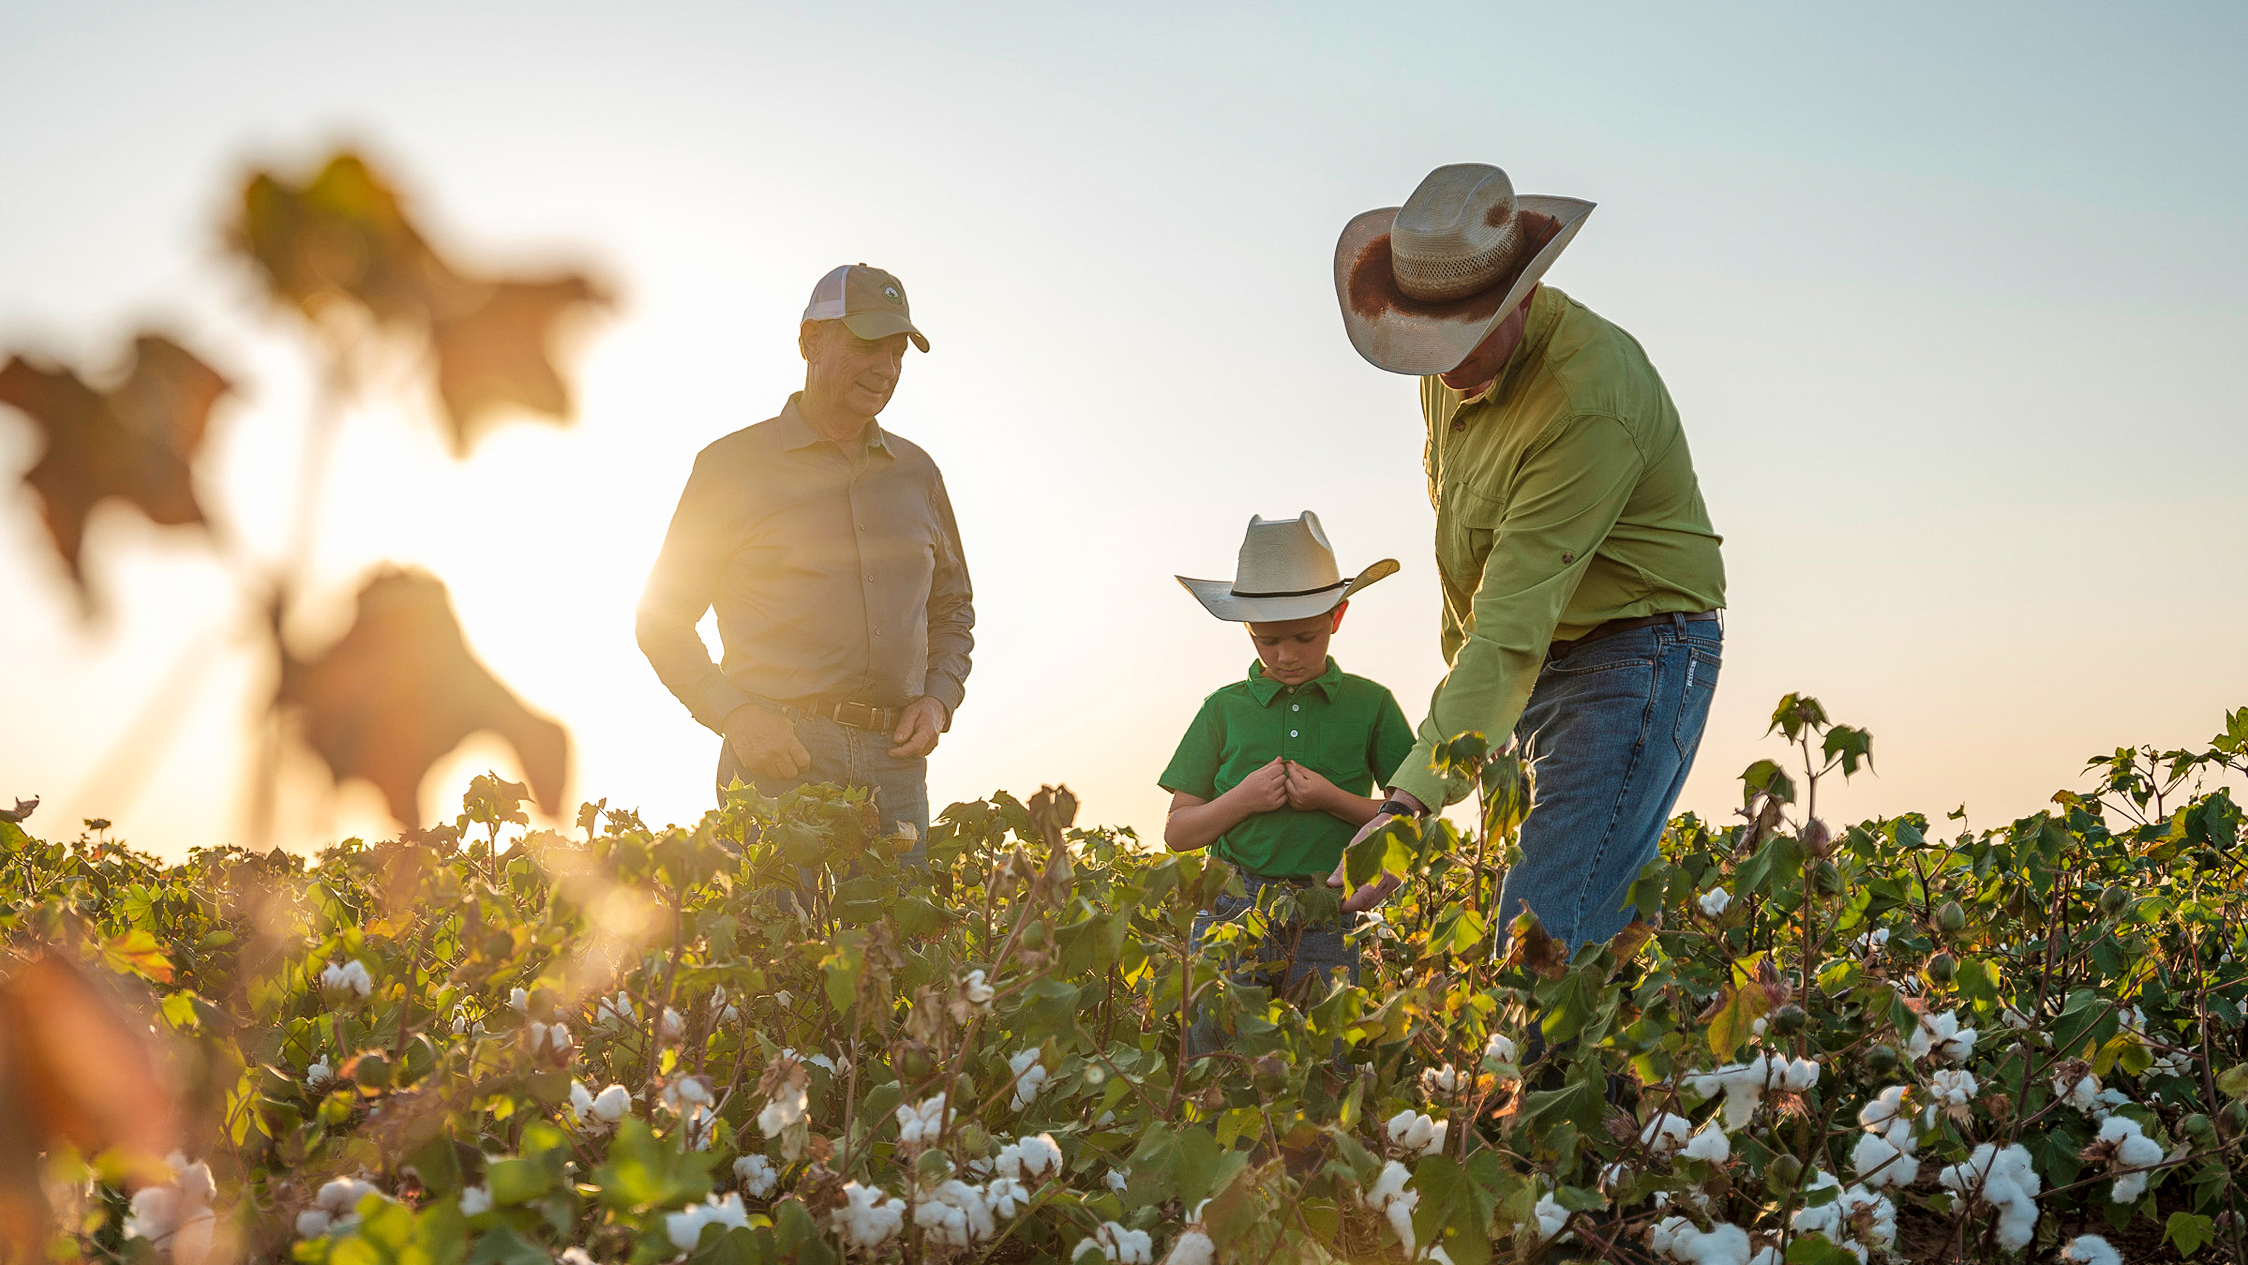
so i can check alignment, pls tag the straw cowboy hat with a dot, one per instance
(1421, 285)
(1286, 571)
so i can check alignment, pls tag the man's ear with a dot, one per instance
(807, 339)
(1340, 607)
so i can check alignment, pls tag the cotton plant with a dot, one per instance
(1952, 1087)
(1858, 1220)
(346, 980)
(788, 1101)
(1746, 1084)
(1389, 1197)
(1885, 1155)
(1117, 1179)
(2125, 1146)
(1709, 1144)
(1681, 1240)
(2005, 1181)
(1192, 1247)
(1548, 1218)
(684, 1228)
(868, 1217)
(1030, 1075)
(176, 1216)
(616, 1012)
(2081, 1092)
(334, 1207)
(1440, 1082)
(1500, 1048)
(1416, 1134)
(756, 1176)
(1664, 1133)
(319, 1077)
(548, 1040)
(1113, 1242)
(683, 1095)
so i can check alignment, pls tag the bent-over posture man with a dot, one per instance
(828, 547)
(1581, 577)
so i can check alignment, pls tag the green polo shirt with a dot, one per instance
(1346, 728)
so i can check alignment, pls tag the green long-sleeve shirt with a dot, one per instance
(1565, 498)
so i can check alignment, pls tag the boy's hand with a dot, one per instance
(1264, 790)
(1307, 790)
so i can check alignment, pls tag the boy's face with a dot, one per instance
(1295, 651)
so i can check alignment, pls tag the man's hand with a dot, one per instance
(919, 726)
(765, 742)
(1308, 791)
(1376, 892)
(1264, 790)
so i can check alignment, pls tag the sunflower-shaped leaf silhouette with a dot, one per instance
(136, 441)
(343, 240)
(402, 688)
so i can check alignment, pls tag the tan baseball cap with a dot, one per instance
(869, 302)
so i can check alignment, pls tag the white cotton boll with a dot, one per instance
(1872, 940)
(519, 1000)
(341, 1197)
(475, 1200)
(1193, 1247)
(1942, 1036)
(1879, 1163)
(868, 1218)
(1714, 902)
(670, 1026)
(1803, 1075)
(548, 1039)
(581, 1103)
(685, 1227)
(686, 1093)
(1757, 1026)
(574, 1255)
(347, 979)
(1033, 1158)
(1882, 1109)
(1663, 1236)
(1825, 1219)
(1029, 1075)
(955, 1214)
(1400, 1214)
(1721, 1244)
(2009, 1183)
(612, 1104)
(1417, 1134)
(789, 1104)
(1882, 1232)
(1439, 1082)
(1953, 1086)
(1389, 1197)
(312, 1223)
(1499, 1049)
(1665, 1133)
(1005, 1196)
(921, 1124)
(2133, 1149)
(978, 991)
(1125, 1247)
(1769, 1256)
(1551, 1217)
(2083, 1093)
(2090, 1249)
(1117, 1179)
(616, 1011)
(319, 1076)
(1709, 1145)
(757, 1175)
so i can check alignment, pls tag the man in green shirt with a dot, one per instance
(1581, 576)
(1276, 770)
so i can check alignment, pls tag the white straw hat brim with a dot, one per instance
(1218, 597)
(1405, 335)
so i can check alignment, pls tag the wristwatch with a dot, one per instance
(1397, 808)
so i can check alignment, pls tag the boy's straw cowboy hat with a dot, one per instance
(1286, 571)
(1421, 285)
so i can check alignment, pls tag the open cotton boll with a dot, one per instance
(475, 1201)
(346, 979)
(1709, 1145)
(1803, 1075)
(1941, 1036)
(978, 992)
(1714, 902)
(519, 1000)
(956, 1214)
(1439, 1082)
(612, 1104)
(1665, 1133)
(1112, 1242)
(1878, 1162)
(757, 1175)
(1882, 1109)
(2009, 1185)
(319, 1076)
(868, 1217)
(1029, 1075)
(1389, 1197)
(1032, 1159)
(1722, 1244)
(1193, 1247)
(1417, 1134)
(616, 1011)
(922, 1123)
(176, 1216)
(2082, 1093)
(1499, 1048)
(2133, 1149)
(1551, 1217)
(684, 1228)
(1953, 1087)
(1006, 1196)
(2090, 1249)
(685, 1093)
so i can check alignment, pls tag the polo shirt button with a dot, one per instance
(1291, 733)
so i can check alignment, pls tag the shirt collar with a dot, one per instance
(1264, 689)
(797, 433)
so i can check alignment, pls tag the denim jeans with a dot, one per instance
(1304, 948)
(1610, 730)
(850, 757)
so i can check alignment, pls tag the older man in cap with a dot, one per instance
(827, 545)
(1581, 577)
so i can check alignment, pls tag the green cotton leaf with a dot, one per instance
(1582, 1102)
(1851, 746)
(1978, 980)
(1736, 1018)
(2087, 1019)
(1817, 1249)
(2187, 1231)
(1454, 1209)
(796, 1236)
(841, 969)
(739, 1246)
(503, 1246)
(1568, 1007)
(1461, 755)
(1766, 777)
(1387, 850)
(917, 919)
(2233, 1081)
(518, 1181)
(644, 1171)
(1507, 795)
(1796, 712)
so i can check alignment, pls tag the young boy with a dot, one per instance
(1276, 769)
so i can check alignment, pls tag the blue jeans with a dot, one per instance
(849, 757)
(1610, 730)
(1303, 948)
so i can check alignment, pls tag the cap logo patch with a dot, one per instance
(891, 293)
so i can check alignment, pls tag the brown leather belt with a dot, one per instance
(848, 712)
(1561, 649)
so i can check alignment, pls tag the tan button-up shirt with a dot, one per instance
(836, 575)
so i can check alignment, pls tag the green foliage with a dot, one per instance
(738, 1042)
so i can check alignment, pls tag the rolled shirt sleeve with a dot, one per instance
(682, 586)
(952, 613)
(1567, 494)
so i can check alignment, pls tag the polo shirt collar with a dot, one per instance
(797, 433)
(1264, 689)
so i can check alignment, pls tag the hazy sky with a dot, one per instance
(1949, 300)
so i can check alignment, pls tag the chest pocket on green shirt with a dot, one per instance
(1471, 520)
